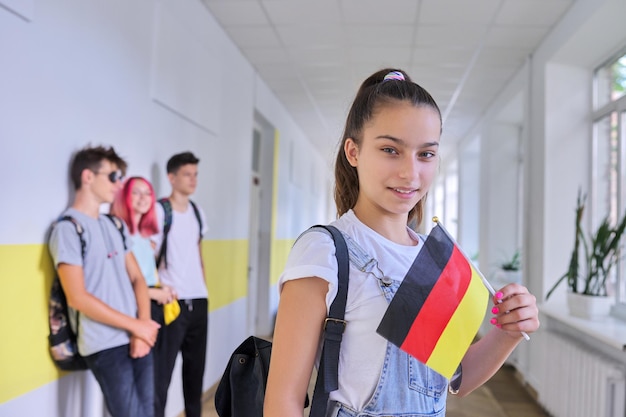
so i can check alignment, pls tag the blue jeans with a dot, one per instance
(127, 383)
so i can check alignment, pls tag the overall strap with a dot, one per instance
(334, 325)
(364, 262)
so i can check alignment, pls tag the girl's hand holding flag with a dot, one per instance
(515, 311)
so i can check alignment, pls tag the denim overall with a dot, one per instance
(406, 388)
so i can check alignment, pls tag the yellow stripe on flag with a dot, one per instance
(461, 329)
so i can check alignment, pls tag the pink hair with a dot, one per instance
(121, 207)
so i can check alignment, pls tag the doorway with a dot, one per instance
(259, 320)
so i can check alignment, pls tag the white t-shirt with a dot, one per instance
(362, 349)
(184, 266)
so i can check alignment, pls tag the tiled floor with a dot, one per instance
(502, 396)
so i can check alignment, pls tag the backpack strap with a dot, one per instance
(196, 211)
(79, 231)
(83, 245)
(334, 325)
(119, 225)
(167, 225)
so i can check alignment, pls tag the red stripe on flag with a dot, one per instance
(439, 307)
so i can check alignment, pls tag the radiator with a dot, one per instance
(579, 382)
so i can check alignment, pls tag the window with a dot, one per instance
(609, 157)
(605, 170)
(610, 82)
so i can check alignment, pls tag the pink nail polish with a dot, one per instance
(495, 310)
(499, 294)
(493, 321)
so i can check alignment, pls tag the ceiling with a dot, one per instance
(313, 54)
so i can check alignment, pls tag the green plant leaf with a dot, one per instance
(601, 252)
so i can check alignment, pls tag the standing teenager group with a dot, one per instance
(120, 298)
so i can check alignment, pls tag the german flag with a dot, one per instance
(438, 308)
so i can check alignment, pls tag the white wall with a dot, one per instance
(500, 203)
(469, 196)
(568, 156)
(152, 78)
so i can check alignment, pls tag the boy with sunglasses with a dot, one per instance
(103, 283)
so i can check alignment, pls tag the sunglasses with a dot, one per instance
(113, 176)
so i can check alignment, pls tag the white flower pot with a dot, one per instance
(589, 306)
(512, 276)
(502, 277)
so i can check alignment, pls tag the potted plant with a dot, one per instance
(587, 276)
(510, 269)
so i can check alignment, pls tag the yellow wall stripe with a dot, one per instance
(275, 264)
(25, 279)
(226, 271)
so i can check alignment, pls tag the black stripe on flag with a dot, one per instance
(416, 286)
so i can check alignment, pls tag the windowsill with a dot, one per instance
(609, 330)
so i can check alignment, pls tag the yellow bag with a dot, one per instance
(171, 310)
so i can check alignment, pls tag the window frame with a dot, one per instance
(607, 110)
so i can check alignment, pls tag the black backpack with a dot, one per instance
(62, 339)
(241, 390)
(167, 225)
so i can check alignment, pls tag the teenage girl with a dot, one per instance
(135, 205)
(387, 160)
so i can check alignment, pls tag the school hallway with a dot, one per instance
(532, 97)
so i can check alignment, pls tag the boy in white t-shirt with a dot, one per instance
(181, 268)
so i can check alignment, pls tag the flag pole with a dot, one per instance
(480, 274)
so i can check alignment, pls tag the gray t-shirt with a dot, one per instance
(105, 275)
